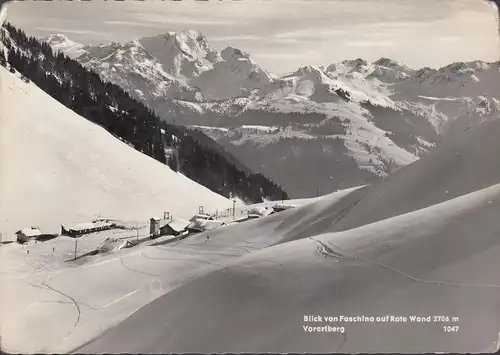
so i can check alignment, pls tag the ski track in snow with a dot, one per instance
(136, 270)
(328, 251)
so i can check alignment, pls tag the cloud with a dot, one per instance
(130, 23)
(235, 38)
(381, 35)
(310, 33)
(165, 19)
(398, 25)
(369, 43)
(67, 30)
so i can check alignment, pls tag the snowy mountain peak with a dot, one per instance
(3, 12)
(179, 65)
(182, 54)
(389, 63)
(62, 43)
(308, 69)
(356, 63)
(191, 43)
(230, 53)
(57, 38)
(458, 75)
(466, 66)
(311, 72)
(189, 36)
(347, 67)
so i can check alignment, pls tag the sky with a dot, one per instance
(283, 35)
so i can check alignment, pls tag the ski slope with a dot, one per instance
(464, 164)
(92, 294)
(57, 168)
(441, 261)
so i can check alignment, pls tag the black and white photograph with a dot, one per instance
(249, 176)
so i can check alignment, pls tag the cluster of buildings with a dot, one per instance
(180, 227)
(202, 222)
(74, 230)
(167, 225)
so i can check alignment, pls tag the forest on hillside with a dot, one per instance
(83, 91)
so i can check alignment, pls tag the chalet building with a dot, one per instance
(167, 226)
(174, 227)
(79, 229)
(26, 234)
(154, 226)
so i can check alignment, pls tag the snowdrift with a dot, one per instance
(462, 165)
(441, 261)
(59, 168)
(260, 211)
(110, 245)
(201, 225)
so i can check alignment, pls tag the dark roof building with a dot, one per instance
(78, 229)
(26, 234)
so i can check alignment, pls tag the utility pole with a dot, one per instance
(137, 236)
(76, 246)
(234, 209)
(317, 191)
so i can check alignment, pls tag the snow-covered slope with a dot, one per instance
(3, 17)
(41, 285)
(351, 123)
(423, 242)
(461, 165)
(59, 168)
(422, 264)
